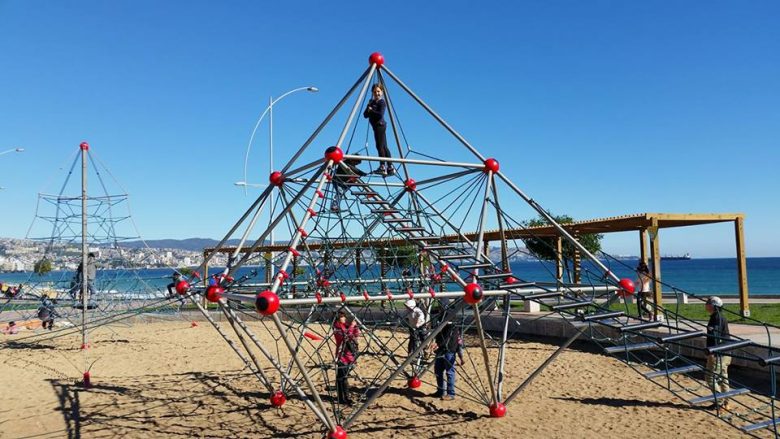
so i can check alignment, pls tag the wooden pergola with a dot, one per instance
(647, 225)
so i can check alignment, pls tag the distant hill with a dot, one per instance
(191, 244)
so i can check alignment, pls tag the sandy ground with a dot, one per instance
(168, 379)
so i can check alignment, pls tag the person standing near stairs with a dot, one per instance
(717, 364)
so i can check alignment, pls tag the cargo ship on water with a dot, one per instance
(685, 257)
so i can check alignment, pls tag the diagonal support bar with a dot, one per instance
(544, 365)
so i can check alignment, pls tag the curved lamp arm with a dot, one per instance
(260, 119)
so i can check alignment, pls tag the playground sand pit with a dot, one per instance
(168, 379)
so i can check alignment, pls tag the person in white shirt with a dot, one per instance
(416, 319)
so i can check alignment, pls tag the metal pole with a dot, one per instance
(84, 249)
(435, 116)
(378, 392)
(392, 121)
(506, 303)
(274, 363)
(480, 244)
(546, 363)
(331, 425)
(229, 341)
(271, 168)
(260, 374)
(324, 122)
(358, 101)
(531, 202)
(481, 332)
(370, 158)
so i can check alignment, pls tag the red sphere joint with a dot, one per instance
(276, 178)
(214, 293)
(376, 58)
(182, 287)
(414, 382)
(267, 303)
(335, 154)
(473, 293)
(278, 398)
(491, 165)
(87, 382)
(84, 146)
(338, 433)
(627, 287)
(511, 280)
(410, 185)
(497, 410)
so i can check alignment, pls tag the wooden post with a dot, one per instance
(559, 260)
(357, 262)
(744, 304)
(655, 250)
(268, 267)
(643, 245)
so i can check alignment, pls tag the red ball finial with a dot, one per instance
(84, 146)
(335, 154)
(491, 165)
(338, 433)
(376, 58)
(278, 398)
(497, 410)
(627, 287)
(182, 287)
(414, 382)
(267, 303)
(276, 178)
(410, 185)
(214, 293)
(511, 280)
(473, 293)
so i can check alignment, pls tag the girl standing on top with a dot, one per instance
(375, 112)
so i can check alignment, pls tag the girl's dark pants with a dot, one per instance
(381, 142)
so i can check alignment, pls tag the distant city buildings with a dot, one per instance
(22, 254)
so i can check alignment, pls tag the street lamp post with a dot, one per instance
(270, 111)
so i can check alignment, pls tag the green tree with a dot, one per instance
(42, 267)
(545, 248)
(401, 257)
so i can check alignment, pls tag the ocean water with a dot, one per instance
(697, 276)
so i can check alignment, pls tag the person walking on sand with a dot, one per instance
(375, 113)
(346, 335)
(449, 343)
(416, 319)
(76, 285)
(643, 305)
(717, 364)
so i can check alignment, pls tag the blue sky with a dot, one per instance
(595, 108)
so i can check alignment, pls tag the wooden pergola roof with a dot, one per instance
(624, 223)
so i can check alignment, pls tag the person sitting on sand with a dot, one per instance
(448, 344)
(47, 313)
(346, 335)
(11, 329)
